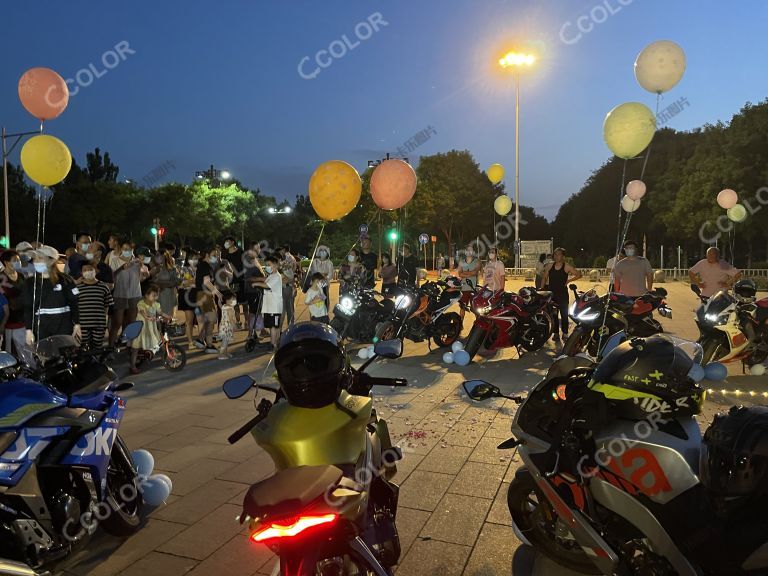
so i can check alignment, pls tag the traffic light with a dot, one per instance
(161, 231)
(4, 241)
(393, 235)
(153, 230)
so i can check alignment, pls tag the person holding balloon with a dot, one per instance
(713, 274)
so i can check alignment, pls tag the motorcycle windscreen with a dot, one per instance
(295, 436)
(718, 303)
(21, 399)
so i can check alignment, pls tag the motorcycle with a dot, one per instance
(731, 329)
(331, 506)
(359, 312)
(508, 319)
(422, 314)
(64, 468)
(621, 495)
(634, 316)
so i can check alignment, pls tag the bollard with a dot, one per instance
(659, 277)
(594, 275)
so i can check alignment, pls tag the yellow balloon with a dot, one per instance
(495, 173)
(46, 159)
(502, 205)
(334, 189)
(629, 128)
(737, 213)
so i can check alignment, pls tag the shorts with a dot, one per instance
(272, 320)
(205, 302)
(239, 289)
(187, 298)
(127, 303)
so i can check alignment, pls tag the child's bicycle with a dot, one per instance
(174, 357)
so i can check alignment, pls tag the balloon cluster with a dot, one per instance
(366, 353)
(714, 371)
(503, 204)
(729, 200)
(629, 128)
(154, 488)
(457, 355)
(44, 94)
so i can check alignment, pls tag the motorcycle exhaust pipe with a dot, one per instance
(10, 568)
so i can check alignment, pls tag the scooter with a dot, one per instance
(331, 506)
(64, 469)
(601, 493)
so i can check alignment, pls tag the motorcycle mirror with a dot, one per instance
(7, 360)
(665, 312)
(662, 291)
(696, 289)
(389, 348)
(572, 286)
(238, 386)
(132, 331)
(481, 390)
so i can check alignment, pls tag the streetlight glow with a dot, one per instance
(516, 59)
(225, 175)
(271, 210)
(287, 209)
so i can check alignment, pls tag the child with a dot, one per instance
(315, 298)
(93, 301)
(272, 306)
(149, 312)
(227, 323)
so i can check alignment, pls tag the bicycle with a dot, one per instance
(174, 356)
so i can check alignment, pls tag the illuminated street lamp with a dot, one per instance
(286, 210)
(515, 61)
(213, 175)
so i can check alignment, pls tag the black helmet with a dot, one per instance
(310, 365)
(527, 294)
(745, 290)
(648, 375)
(734, 453)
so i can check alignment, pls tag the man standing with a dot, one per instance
(713, 274)
(234, 255)
(440, 265)
(288, 266)
(76, 261)
(633, 275)
(406, 267)
(370, 261)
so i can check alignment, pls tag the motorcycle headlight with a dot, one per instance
(572, 309)
(403, 301)
(587, 315)
(483, 310)
(717, 320)
(347, 304)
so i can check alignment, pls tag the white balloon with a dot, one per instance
(144, 462)
(696, 373)
(757, 370)
(165, 479)
(371, 351)
(660, 66)
(362, 353)
(636, 189)
(456, 346)
(448, 357)
(629, 205)
(155, 491)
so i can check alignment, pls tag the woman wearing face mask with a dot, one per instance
(350, 272)
(50, 299)
(188, 293)
(12, 285)
(493, 273)
(94, 299)
(557, 276)
(322, 263)
(128, 270)
(164, 275)
(388, 275)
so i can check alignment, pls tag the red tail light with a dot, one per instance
(295, 527)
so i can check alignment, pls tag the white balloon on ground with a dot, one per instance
(144, 462)
(371, 351)
(462, 358)
(448, 357)
(636, 189)
(165, 479)
(715, 371)
(660, 66)
(362, 353)
(629, 205)
(696, 373)
(757, 370)
(155, 491)
(456, 346)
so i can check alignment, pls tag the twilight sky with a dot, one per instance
(237, 83)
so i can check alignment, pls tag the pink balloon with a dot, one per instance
(636, 189)
(393, 184)
(727, 198)
(43, 93)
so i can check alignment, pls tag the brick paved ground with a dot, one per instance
(452, 518)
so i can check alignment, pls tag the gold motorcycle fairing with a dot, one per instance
(295, 436)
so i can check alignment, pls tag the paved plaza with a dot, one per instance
(452, 518)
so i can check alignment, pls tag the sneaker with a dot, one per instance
(211, 350)
(199, 344)
(225, 356)
(192, 346)
(135, 370)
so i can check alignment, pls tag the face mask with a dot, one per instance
(193, 262)
(630, 251)
(351, 258)
(212, 259)
(492, 256)
(89, 256)
(323, 254)
(227, 245)
(40, 267)
(89, 275)
(17, 265)
(84, 246)
(147, 259)
(268, 269)
(25, 259)
(127, 253)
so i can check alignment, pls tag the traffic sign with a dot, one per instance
(363, 229)
(423, 239)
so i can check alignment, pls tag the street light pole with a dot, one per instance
(517, 170)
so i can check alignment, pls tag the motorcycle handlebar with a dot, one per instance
(264, 407)
(377, 381)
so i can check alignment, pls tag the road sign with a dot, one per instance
(423, 239)
(363, 229)
(434, 239)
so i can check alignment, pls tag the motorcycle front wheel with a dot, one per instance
(536, 520)
(338, 325)
(122, 493)
(713, 350)
(537, 335)
(475, 340)
(449, 330)
(576, 341)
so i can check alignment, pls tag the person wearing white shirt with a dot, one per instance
(272, 305)
(315, 299)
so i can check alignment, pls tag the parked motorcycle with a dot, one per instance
(505, 319)
(422, 314)
(64, 469)
(331, 506)
(616, 477)
(359, 312)
(634, 316)
(733, 326)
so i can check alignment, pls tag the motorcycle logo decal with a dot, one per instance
(642, 469)
(653, 404)
(29, 444)
(21, 413)
(657, 375)
(96, 443)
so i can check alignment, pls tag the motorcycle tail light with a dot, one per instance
(559, 392)
(291, 527)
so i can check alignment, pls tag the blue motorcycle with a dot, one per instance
(64, 469)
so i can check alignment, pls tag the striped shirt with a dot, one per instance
(93, 300)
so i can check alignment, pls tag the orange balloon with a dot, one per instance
(393, 184)
(43, 93)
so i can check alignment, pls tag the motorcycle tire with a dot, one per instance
(575, 342)
(540, 334)
(475, 340)
(386, 331)
(174, 358)
(123, 496)
(449, 327)
(524, 500)
(713, 350)
(339, 326)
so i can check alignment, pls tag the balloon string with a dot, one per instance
(312, 259)
(36, 317)
(650, 145)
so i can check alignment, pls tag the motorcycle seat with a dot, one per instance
(762, 303)
(545, 293)
(290, 490)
